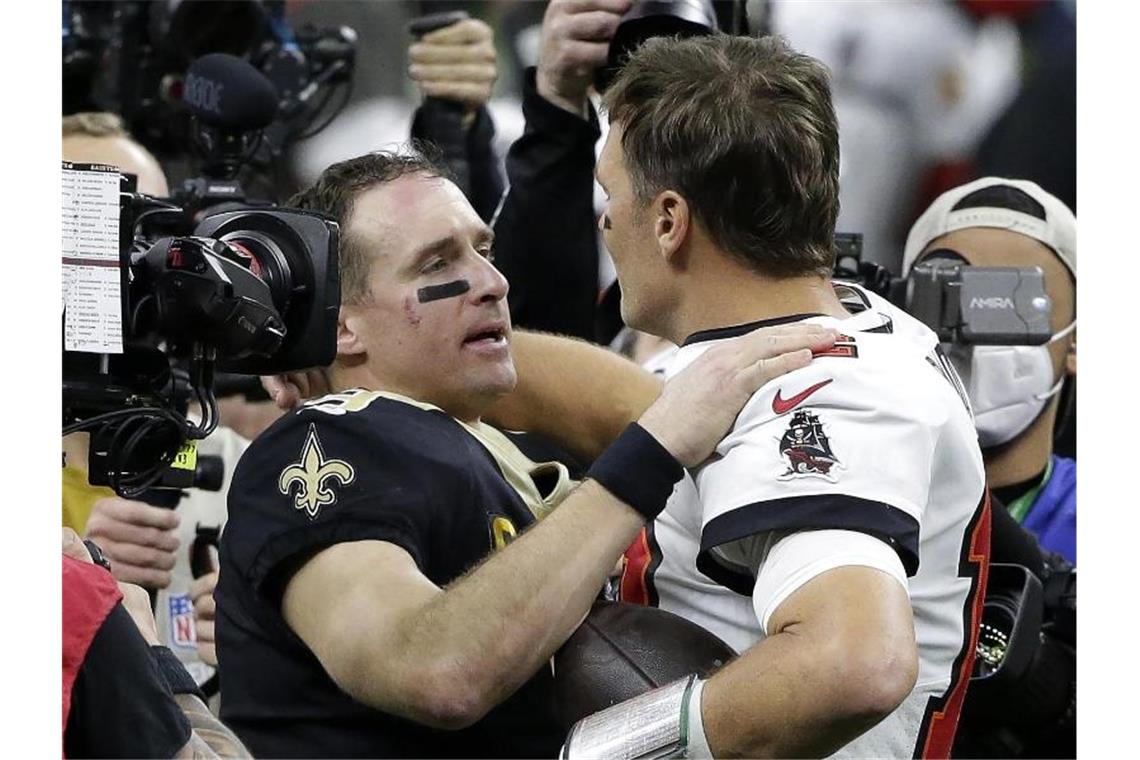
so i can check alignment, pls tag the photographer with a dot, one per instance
(1015, 390)
(100, 138)
(1028, 707)
(124, 694)
(151, 545)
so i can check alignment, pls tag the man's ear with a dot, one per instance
(348, 341)
(1071, 357)
(671, 221)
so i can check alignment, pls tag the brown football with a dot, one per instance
(622, 650)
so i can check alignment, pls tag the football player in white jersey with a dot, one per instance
(837, 538)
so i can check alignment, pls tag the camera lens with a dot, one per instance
(265, 258)
(998, 617)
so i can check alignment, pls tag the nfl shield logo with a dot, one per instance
(182, 622)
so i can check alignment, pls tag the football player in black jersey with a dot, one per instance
(362, 607)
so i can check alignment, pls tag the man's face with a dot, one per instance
(628, 233)
(993, 247)
(126, 154)
(451, 351)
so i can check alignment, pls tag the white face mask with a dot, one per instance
(1008, 386)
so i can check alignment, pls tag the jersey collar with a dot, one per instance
(732, 331)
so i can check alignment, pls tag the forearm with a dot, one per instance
(493, 629)
(576, 394)
(545, 236)
(778, 702)
(842, 656)
(209, 736)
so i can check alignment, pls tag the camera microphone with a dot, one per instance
(227, 93)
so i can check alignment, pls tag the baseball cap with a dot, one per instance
(1013, 204)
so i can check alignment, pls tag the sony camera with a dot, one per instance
(155, 301)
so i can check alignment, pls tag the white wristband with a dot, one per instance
(698, 744)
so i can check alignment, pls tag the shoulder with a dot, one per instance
(366, 423)
(358, 444)
(873, 385)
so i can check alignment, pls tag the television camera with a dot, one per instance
(252, 290)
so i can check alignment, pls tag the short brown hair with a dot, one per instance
(745, 130)
(94, 124)
(337, 189)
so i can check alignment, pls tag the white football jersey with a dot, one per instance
(874, 436)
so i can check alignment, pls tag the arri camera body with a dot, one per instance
(963, 304)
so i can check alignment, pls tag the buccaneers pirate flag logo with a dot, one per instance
(806, 449)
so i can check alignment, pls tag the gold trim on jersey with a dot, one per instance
(521, 472)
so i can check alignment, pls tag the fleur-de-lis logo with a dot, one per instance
(312, 472)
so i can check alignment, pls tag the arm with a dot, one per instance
(209, 737)
(841, 656)
(574, 393)
(546, 243)
(122, 703)
(457, 65)
(444, 657)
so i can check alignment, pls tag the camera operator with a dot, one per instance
(1021, 705)
(151, 545)
(124, 694)
(1015, 390)
(100, 138)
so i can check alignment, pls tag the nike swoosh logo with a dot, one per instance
(781, 406)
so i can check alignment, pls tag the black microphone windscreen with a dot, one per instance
(227, 92)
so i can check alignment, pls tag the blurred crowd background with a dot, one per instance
(928, 94)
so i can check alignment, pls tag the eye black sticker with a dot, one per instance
(446, 290)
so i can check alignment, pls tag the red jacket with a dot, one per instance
(89, 595)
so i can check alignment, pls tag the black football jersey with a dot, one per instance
(358, 466)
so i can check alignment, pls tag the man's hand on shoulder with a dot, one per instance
(698, 405)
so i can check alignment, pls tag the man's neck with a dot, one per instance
(726, 294)
(343, 377)
(1025, 456)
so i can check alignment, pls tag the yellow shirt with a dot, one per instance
(79, 497)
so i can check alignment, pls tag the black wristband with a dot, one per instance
(177, 678)
(638, 470)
